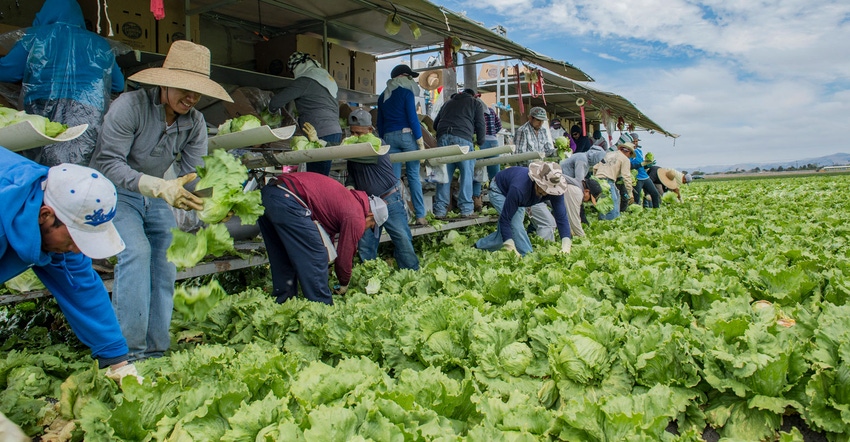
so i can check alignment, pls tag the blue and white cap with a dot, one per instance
(85, 201)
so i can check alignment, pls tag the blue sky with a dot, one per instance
(740, 81)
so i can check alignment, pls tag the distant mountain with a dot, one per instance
(836, 159)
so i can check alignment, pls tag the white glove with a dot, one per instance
(566, 245)
(509, 245)
(126, 370)
(171, 191)
(421, 143)
(11, 432)
(310, 132)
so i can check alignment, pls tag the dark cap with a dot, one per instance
(594, 188)
(470, 92)
(401, 70)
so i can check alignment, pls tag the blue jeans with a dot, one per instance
(295, 248)
(399, 231)
(324, 167)
(494, 240)
(650, 190)
(615, 196)
(467, 170)
(404, 142)
(143, 290)
(491, 170)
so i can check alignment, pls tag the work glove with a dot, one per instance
(310, 132)
(11, 432)
(340, 289)
(509, 245)
(421, 143)
(119, 374)
(566, 245)
(631, 200)
(171, 191)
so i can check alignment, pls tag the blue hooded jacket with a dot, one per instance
(59, 58)
(77, 288)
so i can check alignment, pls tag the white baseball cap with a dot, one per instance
(85, 201)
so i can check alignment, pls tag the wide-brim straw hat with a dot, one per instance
(430, 80)
(548, 176)
(670, 178)
(630, 147)
(187, 66)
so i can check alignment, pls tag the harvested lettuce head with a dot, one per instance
(227, 176)
(239, 124)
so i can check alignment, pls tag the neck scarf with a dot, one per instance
(402, 81)
(311, 70)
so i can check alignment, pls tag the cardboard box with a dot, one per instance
(271, 56)
(173, 26)
(339, 65)
(491, 72)
(363, 72)
(132, 22)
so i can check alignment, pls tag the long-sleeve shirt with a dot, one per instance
(69, 276)
(314, 103)
(637, 163)
(339, 210)
(615, 165)
(518, 190)
(398, 113)
(573, 198)
(135, 140)
(373, 175)
(462, 116)
(577, 165)
(530, 140)
(492, 124)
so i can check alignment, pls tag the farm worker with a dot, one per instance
(398, 125)
(614, 166)
(460, 121)
(66, 75)
(54, 220)
(556, 129)
(667, 179)
(599, 140)
(579, 164)
(492, 126)
(143, 133)
(530, 138)
(297, 254)
(577, 193)
(583, 142)
(374, 175)
(514, 189)
(643, 181)
(314, 93)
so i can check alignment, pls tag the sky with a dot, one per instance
(740, 81)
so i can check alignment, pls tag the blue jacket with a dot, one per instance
(69, 276)
(518, 190)
(58, 58)
(398, 113)
(637, 163)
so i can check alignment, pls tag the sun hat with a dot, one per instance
(670, 178)
(538, 113)
(403, 69)
(625, 138)
(548, 176)
(634, 136)
(359, 117)
(85, 201)
(187, 66)
(430, 80)
(595, 189)
(379, 211)
(629, 146)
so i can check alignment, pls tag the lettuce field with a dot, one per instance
(728, 312)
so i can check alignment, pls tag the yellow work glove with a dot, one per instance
(566, 245)
(119, 374)
(171, 191)
(510, 245)
(310, 132)
(421, 143)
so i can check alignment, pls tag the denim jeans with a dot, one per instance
(404, 142)
(467, 169)
(494, 240)
(615, 197)
(650, 190)
(491, 170)
(399, 231)
(143, 290)
(324, 167)
(295, 248)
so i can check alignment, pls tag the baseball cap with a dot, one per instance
(634, 136)
(538, 113)
(85, 201)
(595, 189)
(403, 69)
(379, 212)
(359, 117)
